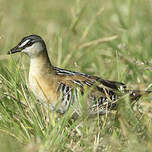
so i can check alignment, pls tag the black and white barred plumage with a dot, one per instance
(103, 94)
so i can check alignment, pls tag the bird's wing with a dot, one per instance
(81, 80)
(101, 93)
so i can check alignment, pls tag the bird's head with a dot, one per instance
(32, 45)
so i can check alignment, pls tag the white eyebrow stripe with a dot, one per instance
(24, 43)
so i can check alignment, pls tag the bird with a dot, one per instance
(60, 88)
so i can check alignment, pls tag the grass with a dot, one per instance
(111, 39)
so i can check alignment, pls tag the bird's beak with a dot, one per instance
(15, 50)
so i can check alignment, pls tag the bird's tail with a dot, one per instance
(136, 94)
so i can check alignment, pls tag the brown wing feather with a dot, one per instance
(104, 92)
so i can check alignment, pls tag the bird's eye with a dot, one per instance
(29, 43)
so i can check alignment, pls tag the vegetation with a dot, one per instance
(111, 39)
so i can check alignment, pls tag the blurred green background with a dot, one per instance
(108, 38)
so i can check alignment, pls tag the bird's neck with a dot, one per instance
(40, 64)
